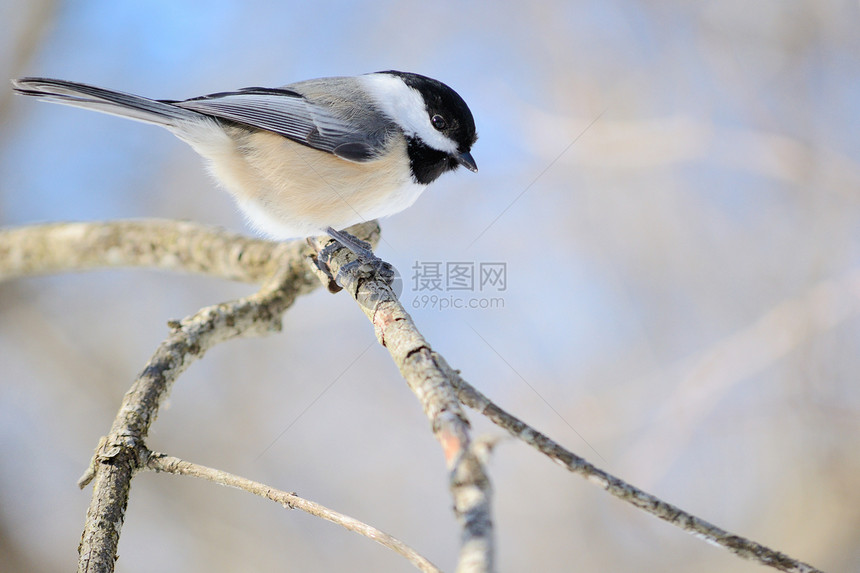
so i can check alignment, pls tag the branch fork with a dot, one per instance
(287, 270)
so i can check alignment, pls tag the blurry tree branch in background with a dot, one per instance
(38, 16)
(285, 272)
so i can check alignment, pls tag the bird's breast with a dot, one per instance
(291, 190)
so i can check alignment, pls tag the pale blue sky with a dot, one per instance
(719, 185)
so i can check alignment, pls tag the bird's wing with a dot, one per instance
(289, 113)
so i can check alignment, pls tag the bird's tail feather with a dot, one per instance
(106, 101)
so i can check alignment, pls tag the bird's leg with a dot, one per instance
(366, 262)
(361, 249)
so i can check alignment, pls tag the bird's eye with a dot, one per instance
(439, 122)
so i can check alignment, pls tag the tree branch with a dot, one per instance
(170, 464)
(153, 243)
(624, 491)
(428, 376)
(284, 268)
(119, 455)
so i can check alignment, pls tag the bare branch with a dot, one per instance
(428, 376)
(170, 464)
(122, 452)
(738, 545)
(283, 266)
(168, 245)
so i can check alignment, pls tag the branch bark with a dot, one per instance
(624, 491)
(431, 379)
(119, 454)
(153, 243)
(428, 376)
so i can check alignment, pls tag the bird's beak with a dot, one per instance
(466, 160)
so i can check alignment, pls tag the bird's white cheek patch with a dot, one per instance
(406, 107)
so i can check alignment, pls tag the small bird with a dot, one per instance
(311, 157)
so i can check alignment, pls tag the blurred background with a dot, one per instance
(671, 187)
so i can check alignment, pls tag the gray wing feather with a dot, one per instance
(319, 124)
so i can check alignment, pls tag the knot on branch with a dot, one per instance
(126, 452)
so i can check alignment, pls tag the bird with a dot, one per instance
(311, 157)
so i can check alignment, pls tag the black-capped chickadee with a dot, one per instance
(310, 157)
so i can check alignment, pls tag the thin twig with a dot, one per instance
(169, 464)
(736, 544)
